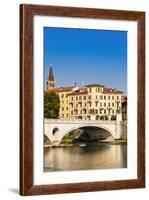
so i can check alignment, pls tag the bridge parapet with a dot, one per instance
(77, 121)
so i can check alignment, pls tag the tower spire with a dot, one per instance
(51, 76)
(51, 82)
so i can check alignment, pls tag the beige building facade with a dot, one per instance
(92, 102)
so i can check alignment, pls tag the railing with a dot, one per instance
(78, 121)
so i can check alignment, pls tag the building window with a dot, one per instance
(100, 111)
(84, 111)
(89, 103)
(88, 117)
(101, 97)
(100, 104)
(104, 97)
(113, 104)
(96, 104)
(76, 105)
(109, 111)
(96, 97)
(109, 97)
(112, 97)
(62, 108)
(104, 104)
(84, 97)
(76, 98)
(72, 112)
(113, 111)
(117, 97)
(109, 104)
(66, 108)
(98, 89)
(90, 89)
(89, 97)
(85, 105)
(96, 111)
(90, 111)
(72, 98)
(62, 95)
(104, 111)
(80, 97)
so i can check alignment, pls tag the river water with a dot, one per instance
(93, 155)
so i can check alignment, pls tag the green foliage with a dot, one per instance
(51, 105)
(68, 139)
(113, 117)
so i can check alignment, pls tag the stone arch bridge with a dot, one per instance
(56, 129)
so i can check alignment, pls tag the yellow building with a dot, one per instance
(93, 102)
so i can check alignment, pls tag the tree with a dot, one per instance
(51, 105)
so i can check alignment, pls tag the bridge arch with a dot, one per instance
(46, 139)
(109, 132)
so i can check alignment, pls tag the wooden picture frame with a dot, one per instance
(27, 12)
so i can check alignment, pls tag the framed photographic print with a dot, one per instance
(82, 99)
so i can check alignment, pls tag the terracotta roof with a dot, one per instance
(61, 89)
(94, 85)
(111, 91)
(76, 93)
(80, 91)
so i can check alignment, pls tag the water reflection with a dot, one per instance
(92, 156)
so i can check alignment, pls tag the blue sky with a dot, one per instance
(91, 56)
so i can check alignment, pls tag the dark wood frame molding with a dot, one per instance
(27, 13)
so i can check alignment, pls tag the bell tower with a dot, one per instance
(51, 82)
